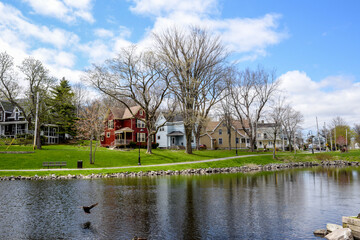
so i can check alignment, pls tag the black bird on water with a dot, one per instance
(87, 209)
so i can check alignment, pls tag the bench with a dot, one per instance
(54, 164)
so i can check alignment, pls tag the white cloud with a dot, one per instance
(158, 7)
(248, 36)
(317, 99)
(103, 33)
(11, 20)
(66, 10)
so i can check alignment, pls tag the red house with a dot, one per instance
(122, 127)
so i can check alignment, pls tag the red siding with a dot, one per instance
(118, 124)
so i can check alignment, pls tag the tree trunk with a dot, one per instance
(93, 159)
(229, 133)
(149, 147)
(274, 149)
(90, 155)
(188, 136)
(197, 139)
(252, 144)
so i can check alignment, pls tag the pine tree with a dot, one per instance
(63, 111)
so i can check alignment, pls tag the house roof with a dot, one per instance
(125, 129)
(176, 133)
(123, 113)
(211, 126)
(175, 117)
(128, 114)
(7, 106)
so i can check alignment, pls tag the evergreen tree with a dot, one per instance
(63, 111)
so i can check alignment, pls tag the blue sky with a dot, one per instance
(313, 45)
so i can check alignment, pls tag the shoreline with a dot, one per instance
(199, 171)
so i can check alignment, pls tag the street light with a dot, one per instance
(141, 130)
(236, 140)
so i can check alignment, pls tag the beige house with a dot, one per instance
(216, 136)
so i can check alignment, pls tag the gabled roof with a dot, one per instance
(123, 113)
(7, 106)
(175, 117)
(128, 114)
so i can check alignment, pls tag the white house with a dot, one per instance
(172, 134)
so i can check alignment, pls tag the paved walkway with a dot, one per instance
(153, 165)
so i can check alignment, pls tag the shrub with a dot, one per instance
(154, 145)
(132, 144)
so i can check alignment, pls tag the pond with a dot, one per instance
(272, 205)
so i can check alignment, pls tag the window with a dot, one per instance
(237, 140)
(108, 134)
(259, 135)
(220, 131)
(16, 116)
(140, 124)
(243, 140)
(141, 112)
(220, 141)
(260, 143)
(158, 137)
(102, 138)
(247, 140)
(111, 124)
(265, 136)
(140, 137)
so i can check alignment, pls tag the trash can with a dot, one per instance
(79, 164)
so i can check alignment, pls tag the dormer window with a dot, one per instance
(220, 131)
(141, 112)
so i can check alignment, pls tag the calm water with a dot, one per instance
(275, 205)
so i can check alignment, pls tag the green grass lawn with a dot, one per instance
(116, 158)
(104, 157)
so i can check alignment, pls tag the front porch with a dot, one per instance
(123, 137)
(12, 130)
(175, 138)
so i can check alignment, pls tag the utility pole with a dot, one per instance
(326, 144)
(294, 142)
(346, 139)
(335, 138)
(331, 145)
(317, 126)
(36, 119)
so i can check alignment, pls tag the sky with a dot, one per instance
(313, 45)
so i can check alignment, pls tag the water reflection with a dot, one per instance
(272, 205)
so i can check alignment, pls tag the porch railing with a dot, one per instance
(122, 142)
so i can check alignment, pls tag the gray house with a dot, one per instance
(14, 124)
(172, 134)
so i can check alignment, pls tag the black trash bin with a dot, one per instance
(79, 164)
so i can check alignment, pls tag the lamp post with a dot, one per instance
(236, 140)
(141, 130)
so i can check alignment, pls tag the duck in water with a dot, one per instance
(87, 209)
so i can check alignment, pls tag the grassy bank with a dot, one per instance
(104, 157)
(113, 158)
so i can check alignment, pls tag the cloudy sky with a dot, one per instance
(313, 45)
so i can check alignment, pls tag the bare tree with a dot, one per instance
(197, 62)
(134, 75)
(291, 123)
(37, 79)
(356, 130)
(80, 93)
(250, 92)
(276, 117)
(90, 123)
